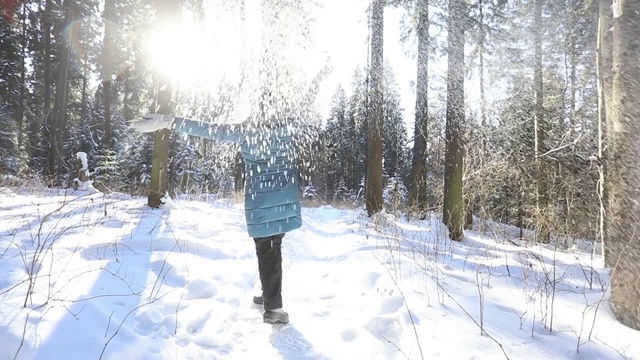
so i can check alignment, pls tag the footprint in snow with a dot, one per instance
(200, 289)
(391, 305)
(170, 275)
(195, 326)
(291, 344)
(388, 331)
(148, 322)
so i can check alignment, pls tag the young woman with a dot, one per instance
(272, 191)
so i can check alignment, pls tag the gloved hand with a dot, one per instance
(152, 122)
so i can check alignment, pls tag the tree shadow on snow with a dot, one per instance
(116, 293)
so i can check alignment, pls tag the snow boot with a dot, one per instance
(275, 316)
(258, 300)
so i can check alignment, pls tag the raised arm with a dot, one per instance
(223, 132)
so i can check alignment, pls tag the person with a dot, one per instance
(272, 191)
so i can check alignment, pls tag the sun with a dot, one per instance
(193, 56)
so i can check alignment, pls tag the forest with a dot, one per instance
(525, 111)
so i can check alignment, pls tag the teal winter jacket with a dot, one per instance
(272, 189)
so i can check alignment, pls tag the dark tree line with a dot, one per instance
(344, 143)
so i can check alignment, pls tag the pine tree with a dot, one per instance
(418, 191)
(135, 161)
(105, 174)
(10, 88)
(357, 133)
(338, 143)
(540, 129)
(395, 152)
(9, 157)
(108, 64)
(47, 50)
(57, 127)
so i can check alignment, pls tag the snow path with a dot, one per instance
(120, 280)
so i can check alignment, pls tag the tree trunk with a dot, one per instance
(374, 201)
(85, 83)
(58, 128)
(352, 175)
(468, 214)
(570, 190)
(107, 67)
(520, 215)
(46, 110)
(23, 78)
(46, 20)
(453, 211)
(623, 240)
(603, 65)
(472, 201)
(159, 181)
(543, 233)
(483, 97)
(418, 193)
(239, 173)
(168, 13)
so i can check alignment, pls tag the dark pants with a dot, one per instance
(269, 254)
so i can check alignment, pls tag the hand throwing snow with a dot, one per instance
(152, 122)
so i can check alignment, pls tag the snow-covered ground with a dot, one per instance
(114, 279)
